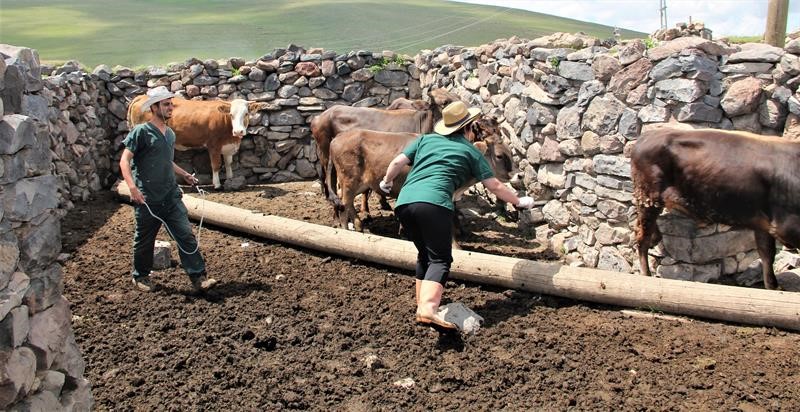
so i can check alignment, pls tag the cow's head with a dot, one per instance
(486, 137)
(442, 97)
(239, 110)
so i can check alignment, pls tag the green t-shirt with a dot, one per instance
(152, 166)
(439, 166)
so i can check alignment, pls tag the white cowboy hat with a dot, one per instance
(156, 95)
(455, 116)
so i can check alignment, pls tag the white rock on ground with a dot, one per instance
(467, 321)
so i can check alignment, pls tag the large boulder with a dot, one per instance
(742, 97)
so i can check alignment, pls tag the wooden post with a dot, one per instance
(777, 13)
(728, 303)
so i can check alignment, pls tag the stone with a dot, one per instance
(772, 114)
(631, 52)
(708, 248)
(468, 322)
(678, 45)
(611, 259)
(745, 68)
(287, 117)
(665, 69)
(570, 147)
(742, 97)
(556, 214)
(757, 52)
(568, 123)
(11, 296)
(629, 125)
(683, 271)
(9, 257)
(747, 122)
(162, 255)
(17, 374)
(308, 69)
(391, 78)
(353, 91)
(29, 197)
(590, 143)
(39, 244)
(653, 114)
(14, 328)
(612, 165)
(629, 78)
(48, 332)
(552, 175)
(791, 131)
(682, 90)
(16, 132)
(588, 91)
(608, 235)
(605, 66)
(699, 112)
(602, 114)
(575, 71)
(40, 401)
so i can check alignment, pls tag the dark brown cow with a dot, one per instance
(216, 125)
(339, 119)
(359, 158)
(735, 178)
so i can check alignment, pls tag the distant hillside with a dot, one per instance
(143, 32)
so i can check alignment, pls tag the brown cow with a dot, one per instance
(339, 119)
(735, 178)
(359, 158)
(216, 125)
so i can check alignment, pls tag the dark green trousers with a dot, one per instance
(174, 213)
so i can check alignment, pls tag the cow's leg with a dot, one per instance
(216, 164)
(228, 151)
(365, 203)
(765, 244)
(647, 234)
(349, 215)
(384, 202)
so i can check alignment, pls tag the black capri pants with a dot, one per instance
(430, 227)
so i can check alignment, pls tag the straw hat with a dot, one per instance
(455, 116)
(156, 95)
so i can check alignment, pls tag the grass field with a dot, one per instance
(144, 32)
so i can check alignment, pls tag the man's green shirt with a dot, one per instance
(152, 165)
(439, 166)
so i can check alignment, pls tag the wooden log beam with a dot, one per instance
(728, 303)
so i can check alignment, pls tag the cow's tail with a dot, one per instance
(321, 132)
(331, 182)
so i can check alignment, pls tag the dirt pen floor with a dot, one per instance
(291, 328)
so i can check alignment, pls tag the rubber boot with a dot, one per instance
(430, 295)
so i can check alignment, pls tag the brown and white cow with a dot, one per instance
(216, 125)
(735, 178)
(338, 119)
(359, 158)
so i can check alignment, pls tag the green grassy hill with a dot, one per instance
(144, 32)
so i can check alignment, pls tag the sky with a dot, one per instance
(723, 17)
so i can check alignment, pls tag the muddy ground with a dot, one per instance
(290, 328)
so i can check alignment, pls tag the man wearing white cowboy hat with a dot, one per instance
(149, 171)
(440, 163)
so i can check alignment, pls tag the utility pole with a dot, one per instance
(777, 14)
(663, 9)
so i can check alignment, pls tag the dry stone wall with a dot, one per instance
(40, 365)
(296, 83)
(573, 109)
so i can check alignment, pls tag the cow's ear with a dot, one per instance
(224, 108)
(481, 146)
